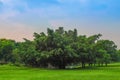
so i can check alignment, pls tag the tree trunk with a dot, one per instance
(62, 66)
(99, 64)
(102, 64)
(90, 64)
(83, 65)
(94, 64)
(105, 64)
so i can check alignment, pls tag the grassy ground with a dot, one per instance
(112, 72)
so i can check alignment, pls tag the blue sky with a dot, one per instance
(20, 18)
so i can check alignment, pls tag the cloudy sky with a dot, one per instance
(20, 18)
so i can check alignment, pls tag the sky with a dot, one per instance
(21, 18)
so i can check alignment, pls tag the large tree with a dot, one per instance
(57, 46)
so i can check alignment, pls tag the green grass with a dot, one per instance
(112, 72)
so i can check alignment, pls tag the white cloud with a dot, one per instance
(6, 1)
(9, 8)
(13, 29)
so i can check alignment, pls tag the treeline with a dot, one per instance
(59, 49)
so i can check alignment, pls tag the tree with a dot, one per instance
(85, 48)
(6, 49)
(57, 46)
(116, 56)
(105, 49)
(26, 53)
(91, 41)
(106, 58)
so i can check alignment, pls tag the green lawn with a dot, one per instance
(112, 72)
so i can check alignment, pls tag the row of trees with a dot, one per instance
(59, 48)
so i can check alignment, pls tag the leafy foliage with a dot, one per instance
(58, 49)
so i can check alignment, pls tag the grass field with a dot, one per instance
(112, 72)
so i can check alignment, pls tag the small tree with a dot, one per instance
(6, 49)
(106, 58)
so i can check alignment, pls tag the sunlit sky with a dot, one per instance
(21, 18)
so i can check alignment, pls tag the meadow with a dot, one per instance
(111, 72)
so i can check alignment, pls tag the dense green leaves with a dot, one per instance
(59, 48)
(6, 48)
(64, 48)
